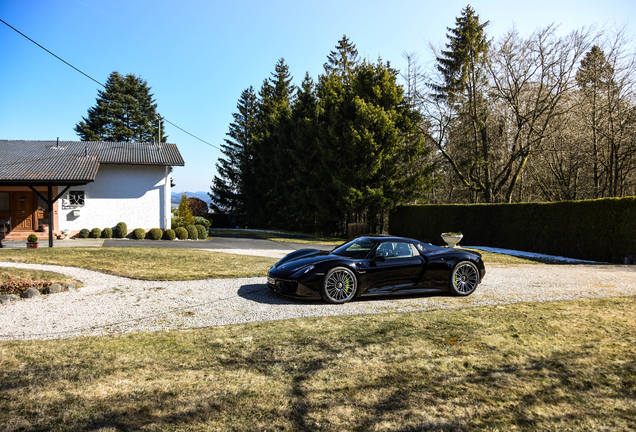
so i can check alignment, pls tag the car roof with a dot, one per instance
(387, 237)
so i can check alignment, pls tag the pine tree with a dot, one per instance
(267, 201)
(303, 154)
(463, 87)
(368, 145)
(344, 60)
(228, 191)
(125, 111)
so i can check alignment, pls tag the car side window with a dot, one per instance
(394, 250)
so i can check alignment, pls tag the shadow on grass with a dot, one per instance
(542, 392)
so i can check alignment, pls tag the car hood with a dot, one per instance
(299, 259)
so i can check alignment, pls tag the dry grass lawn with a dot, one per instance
(147, 263)
(566, 366)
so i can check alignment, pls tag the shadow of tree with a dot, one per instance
(329, 374)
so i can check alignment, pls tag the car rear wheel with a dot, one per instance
(464, 278)
(339, 285)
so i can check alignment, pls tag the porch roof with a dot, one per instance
(64, 163)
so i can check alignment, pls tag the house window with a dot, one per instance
(4, 201)
(76, 198)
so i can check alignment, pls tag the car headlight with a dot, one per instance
(304, 270)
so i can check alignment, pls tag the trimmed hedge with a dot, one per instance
(597, 230)
(107, 233)
(121, 230)
(154, 234)
(96, 233)
(193, 234)
(84, 233)
(138, 234)
(181, 233)
(202, 232)
(169, 234)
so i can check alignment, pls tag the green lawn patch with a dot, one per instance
(566, 366)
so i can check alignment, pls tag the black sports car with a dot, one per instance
(376, 265)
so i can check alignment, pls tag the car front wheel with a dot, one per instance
(464, 278)
(339, 285)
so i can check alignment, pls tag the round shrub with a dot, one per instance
(32, 238)
(193, 234)
(121, 230)
(107, 233)
(202, 233)
(181, 233)
(84, 233)
(138, 234)
(154, 234)
(96, 233)
(169, 234)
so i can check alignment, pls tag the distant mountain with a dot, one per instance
(175, 197)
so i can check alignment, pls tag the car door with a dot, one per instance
(395, 266)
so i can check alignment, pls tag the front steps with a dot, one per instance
(22, 236)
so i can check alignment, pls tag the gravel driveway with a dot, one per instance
(110, 304)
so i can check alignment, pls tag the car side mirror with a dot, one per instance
(379, 258)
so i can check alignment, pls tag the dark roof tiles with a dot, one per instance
(77, 161)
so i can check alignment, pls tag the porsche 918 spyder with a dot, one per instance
(376, 265)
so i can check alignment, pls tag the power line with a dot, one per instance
(93, 79)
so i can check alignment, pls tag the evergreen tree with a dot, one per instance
(464, 85)
(184, 212)
(595, 79)
(368, 143)
(125, 111)
(303, 153)
(228, 188)
(344, 60)
(266, 198)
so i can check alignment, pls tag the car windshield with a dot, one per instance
(358, 248)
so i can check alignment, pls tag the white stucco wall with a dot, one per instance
(134, 194)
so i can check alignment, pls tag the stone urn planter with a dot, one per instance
(32, 241)
(452, 239)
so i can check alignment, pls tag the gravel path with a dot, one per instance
(110, 304)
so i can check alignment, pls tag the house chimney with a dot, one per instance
(58, 142)
(86, 151)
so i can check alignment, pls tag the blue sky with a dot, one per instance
(198, 56)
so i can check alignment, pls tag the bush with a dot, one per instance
(84, 233)
(121, 230)
(107, 233)
(202, 232)
(193, 234)
(184, 210)
(181, 233)
(138, 234)
(177, 222)
(96, 233)
(198, 220)
(154, 234)
(32, 238)
(169, 234)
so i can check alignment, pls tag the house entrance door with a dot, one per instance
(22, 207)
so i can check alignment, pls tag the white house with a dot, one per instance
(84, 184)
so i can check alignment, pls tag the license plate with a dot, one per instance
(271, 280)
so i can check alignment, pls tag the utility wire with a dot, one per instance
(93, 79)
